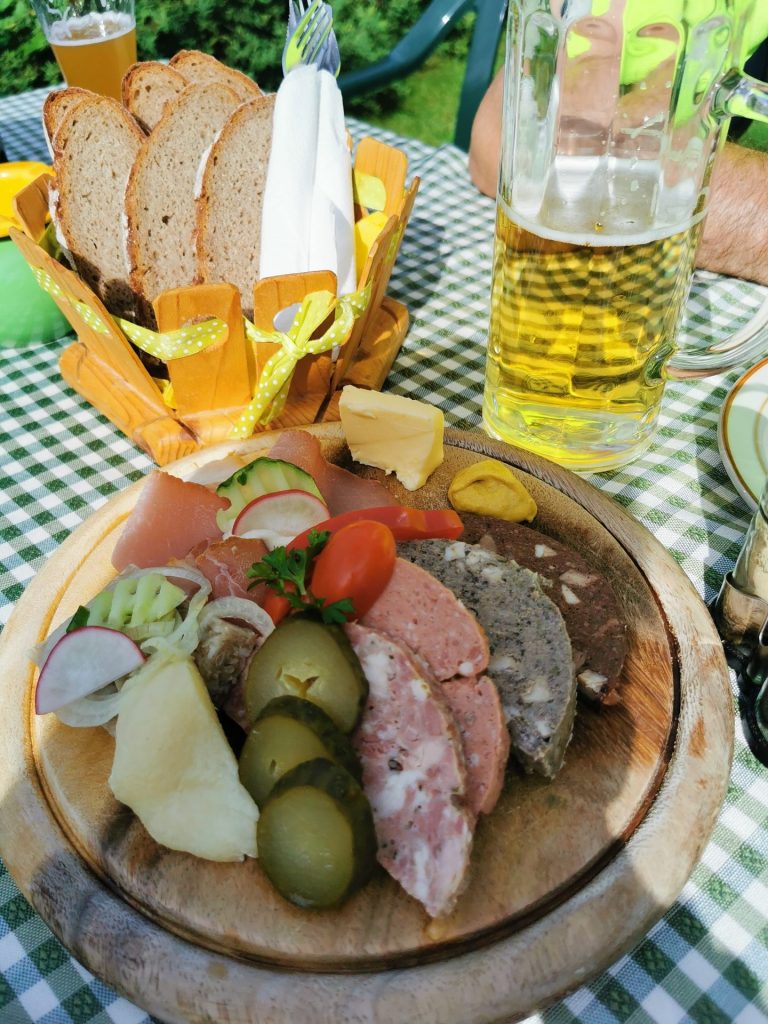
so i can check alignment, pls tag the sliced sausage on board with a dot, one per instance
(584, 596)
(413, 775)
(531, 659)
(415, 609)
(476, 707)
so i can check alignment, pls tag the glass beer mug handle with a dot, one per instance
(737, 95)
(746, 346)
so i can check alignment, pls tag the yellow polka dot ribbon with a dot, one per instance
(275, 379)
(167, 346)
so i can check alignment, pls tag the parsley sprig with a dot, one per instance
(286, 572)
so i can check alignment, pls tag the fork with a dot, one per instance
(310, 38)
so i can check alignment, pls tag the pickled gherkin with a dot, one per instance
(305, 658)
(316, 838)
(287, 732)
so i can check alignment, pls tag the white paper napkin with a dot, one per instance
(307, 220)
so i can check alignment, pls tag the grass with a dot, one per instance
(429, 109)
(756, 137)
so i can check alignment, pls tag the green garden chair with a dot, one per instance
(414, 48)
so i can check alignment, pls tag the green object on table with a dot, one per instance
(433, 26)
(27, 314)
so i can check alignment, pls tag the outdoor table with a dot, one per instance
(707, 959)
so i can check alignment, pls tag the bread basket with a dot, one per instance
(200, 398)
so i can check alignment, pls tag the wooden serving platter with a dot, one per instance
(566, 875)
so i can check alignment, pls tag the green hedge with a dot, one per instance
(248, 36)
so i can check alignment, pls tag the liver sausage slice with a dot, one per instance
(531, 659)
(476, 708)
(413, 775)
(415, 609)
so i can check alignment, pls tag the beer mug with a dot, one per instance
(614, 111)
(93, 41)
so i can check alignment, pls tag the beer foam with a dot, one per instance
(600, 239)
(602, 201)
(90, 28)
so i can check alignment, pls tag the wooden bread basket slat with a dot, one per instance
(210, 388)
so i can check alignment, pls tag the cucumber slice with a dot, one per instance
(316, 838)
(305, 658)
(135, 601)
(262, 476)
(288, 732)
(279, 517)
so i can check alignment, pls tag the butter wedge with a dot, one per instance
(398, 435)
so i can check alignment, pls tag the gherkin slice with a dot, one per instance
(287, 732)
(305, 658)
(316, 838)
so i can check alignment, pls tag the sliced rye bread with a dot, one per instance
(95, 148)
(160, 202)
(202, 69)
(147, 88)
(56, 107)
(229, 208)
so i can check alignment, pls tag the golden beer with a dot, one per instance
(95, 50)
(582, 324)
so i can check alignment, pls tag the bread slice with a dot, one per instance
(160, 201)
(56, 107)
(95, 147)
(147, 87)
(201, 69)
(229, 208)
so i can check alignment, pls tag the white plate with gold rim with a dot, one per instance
(742, 434)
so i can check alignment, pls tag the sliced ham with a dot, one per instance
(225, 564)
(169, 519)
(476, 707)
(413, 774)
(417, 610)
(342, 491)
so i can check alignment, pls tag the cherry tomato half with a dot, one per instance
(357, 563)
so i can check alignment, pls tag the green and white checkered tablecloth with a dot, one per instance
(707, 960)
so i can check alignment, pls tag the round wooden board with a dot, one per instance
(566, 875)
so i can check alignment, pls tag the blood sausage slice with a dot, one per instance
(584, 596)
(413, 775)
(531, 659)
(415, 609)
(476, 708)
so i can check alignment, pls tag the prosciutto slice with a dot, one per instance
(225, 564)
(169, 519)
(413, 775)
(342, 491)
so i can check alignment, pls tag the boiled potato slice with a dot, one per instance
(174, 768)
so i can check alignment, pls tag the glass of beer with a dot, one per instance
(94, 41)
(613, 114)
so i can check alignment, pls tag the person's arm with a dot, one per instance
(485, 144)
(735, 239)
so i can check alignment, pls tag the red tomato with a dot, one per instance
(357, 562)
(276, 606)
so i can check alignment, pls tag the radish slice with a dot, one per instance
(82, 662)
(278, 517)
